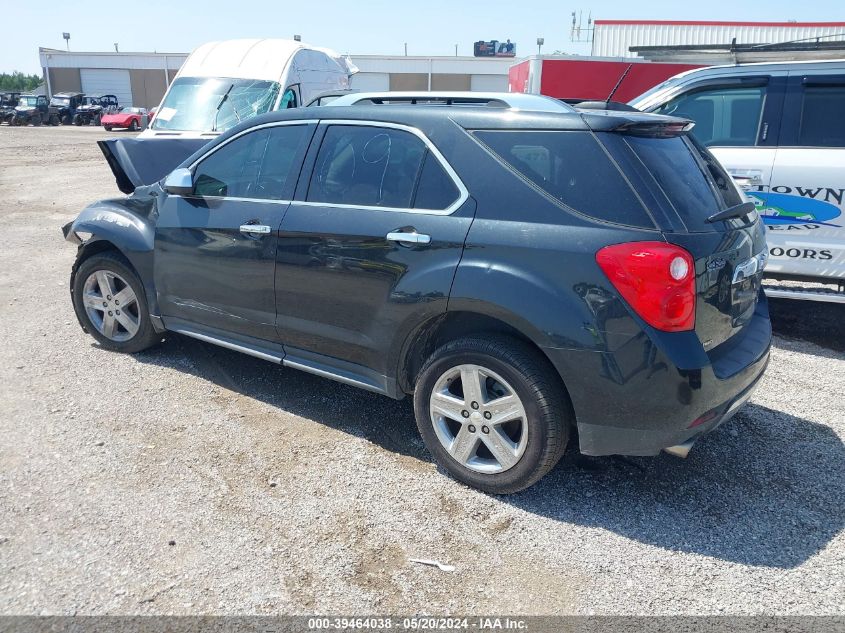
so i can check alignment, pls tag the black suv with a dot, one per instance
(522, 273)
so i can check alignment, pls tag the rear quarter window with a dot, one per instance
(573, 168)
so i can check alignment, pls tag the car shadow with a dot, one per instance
(764, 489)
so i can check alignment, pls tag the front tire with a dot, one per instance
(133, 126)
(110, 303)
(492, 412)
(108, 128)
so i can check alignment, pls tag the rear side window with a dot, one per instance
(725, 116)
(373, 166)
(436, 190)
(367, 166)
(680, 177)
(822, 122)
(574, 169)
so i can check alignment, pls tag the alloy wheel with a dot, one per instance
(479, 419)
(111, 305)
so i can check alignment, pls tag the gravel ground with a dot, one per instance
(192, 479)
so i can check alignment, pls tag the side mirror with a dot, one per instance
(180, 182)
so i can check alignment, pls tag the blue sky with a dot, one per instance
(370, 26)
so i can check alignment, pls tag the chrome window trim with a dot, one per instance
(463, 192)
(237, 136)
(247, 131)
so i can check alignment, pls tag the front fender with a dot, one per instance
(127, 225)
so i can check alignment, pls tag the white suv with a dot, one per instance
(779, 129)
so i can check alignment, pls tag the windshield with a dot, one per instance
(60, 101)
(28, 101)
(645, 97)
(198, 104)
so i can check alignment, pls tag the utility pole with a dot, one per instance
(456, 50)
(406, 49)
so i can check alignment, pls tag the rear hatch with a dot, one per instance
(684, 187)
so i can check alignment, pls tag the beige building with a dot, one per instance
(138, 79)
(141, 79)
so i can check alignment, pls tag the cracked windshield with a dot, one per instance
(214, 104)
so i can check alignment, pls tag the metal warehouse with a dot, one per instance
(141, 79)
(615, 38)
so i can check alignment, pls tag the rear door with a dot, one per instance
(738, 120)
(215, 250)
(804, 203)
(370, 246)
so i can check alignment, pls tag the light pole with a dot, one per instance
(540, 42)
(67, 40)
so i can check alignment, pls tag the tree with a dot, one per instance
(18, 82)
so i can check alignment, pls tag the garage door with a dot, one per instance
(99, 81)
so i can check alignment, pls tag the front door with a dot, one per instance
(371, 249)
(215, 250)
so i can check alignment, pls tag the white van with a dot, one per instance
(779, 129)
(223, 83)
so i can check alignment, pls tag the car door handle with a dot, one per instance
(747, 177)
(409, 237)
(261, 229)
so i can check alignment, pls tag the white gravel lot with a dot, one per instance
(192, 479)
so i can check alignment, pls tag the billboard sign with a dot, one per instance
(494, 48)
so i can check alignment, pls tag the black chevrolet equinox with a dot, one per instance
(524, 269)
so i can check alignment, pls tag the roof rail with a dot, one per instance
(509, 100)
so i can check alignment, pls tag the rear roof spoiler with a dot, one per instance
(636, 123)
(137, 162)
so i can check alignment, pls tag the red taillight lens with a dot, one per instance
(656, 279)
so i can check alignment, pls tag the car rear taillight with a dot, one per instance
(656, 279)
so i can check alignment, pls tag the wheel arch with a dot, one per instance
(437, 331)
(114, 227)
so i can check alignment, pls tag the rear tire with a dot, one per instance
(108, 128)
(36, 120)
(133, 126)
(503, 435)
(97, 120)
(110, 303)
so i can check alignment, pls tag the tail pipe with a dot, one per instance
(681, 450)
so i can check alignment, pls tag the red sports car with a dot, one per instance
(127, 117)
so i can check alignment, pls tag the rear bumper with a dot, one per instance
(635, 400)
